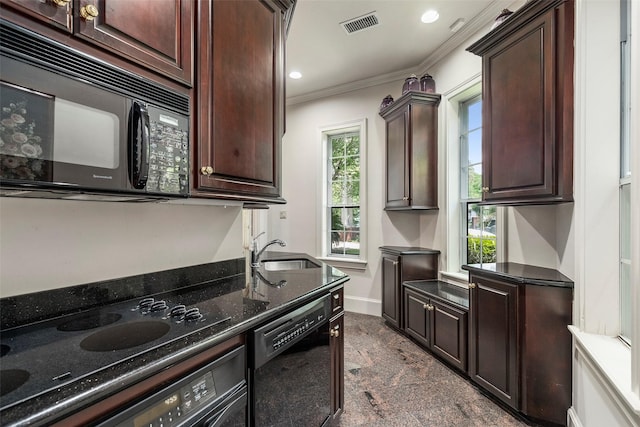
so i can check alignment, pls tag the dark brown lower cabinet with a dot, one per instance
(336, 334)
(440, 326)
(519, 344)
(493, 339)
(400, 264)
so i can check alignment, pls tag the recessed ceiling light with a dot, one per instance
(295, 75)
(430, 16)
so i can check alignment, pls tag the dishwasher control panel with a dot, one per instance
(282, 333)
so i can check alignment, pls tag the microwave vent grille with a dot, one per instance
(26, 46)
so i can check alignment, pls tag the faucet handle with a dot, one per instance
(254, 241)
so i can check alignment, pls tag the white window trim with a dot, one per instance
(359, 263)
(450, 132)
(599, 350)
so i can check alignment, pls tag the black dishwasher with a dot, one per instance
(291, 369)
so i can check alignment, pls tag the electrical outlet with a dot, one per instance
(283, 214)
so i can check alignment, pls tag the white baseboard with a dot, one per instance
(572, 418)
(369, 306)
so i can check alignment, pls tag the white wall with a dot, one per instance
(47, 244)
(302, 174)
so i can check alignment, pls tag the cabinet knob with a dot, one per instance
(336, 297)
(61, 3)
(405, 198)
(206, 170)
(89, 12)
(485, 189)
(472, 285)
(334, 333)
(427, 307)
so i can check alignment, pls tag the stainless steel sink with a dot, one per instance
(288, 264)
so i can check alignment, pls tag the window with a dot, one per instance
(625, 177)
(343, 204)
(478, 223)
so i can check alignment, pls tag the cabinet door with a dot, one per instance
(518, 114)
(493, 338)
(390, 289)
(157, 34)
(449, 334)
(48, 12)
(240, 99)
(337, 365)
(416, 317)
(397, 161)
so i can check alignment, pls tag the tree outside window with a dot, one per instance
(344, 194)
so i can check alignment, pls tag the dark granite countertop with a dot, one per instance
(408, 250)
(444, 291)
(232, 301)
(521, 273)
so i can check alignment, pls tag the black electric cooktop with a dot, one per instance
(48, 354)
(71, 346)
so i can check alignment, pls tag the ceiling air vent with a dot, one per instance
(360, 23)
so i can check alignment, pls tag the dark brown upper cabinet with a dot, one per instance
(57, 13)
(412, 152)
(527, 111)
(240, 99)
(154, 34)
(157, 34)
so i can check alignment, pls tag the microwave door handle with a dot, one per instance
(141, 146)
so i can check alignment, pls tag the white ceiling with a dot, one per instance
(332, 61)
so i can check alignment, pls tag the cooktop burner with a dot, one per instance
(125, 336)
(11, 379)
(46, 355)
(91, 321)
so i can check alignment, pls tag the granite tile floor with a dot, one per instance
(390, 381)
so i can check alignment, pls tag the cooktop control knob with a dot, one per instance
(193, 314)
(178, 311)
(145, 303)
(159, 306)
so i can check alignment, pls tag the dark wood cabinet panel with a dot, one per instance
(416, 314)
(547, 361)
(240, 101)
(157, 34)
(527, 138)
(391, 289)
(519, 344)
(398, 265)
(337, 365)
(449, 334)
(47, 12)
(440, 327)
(493, 339)
(412, 152)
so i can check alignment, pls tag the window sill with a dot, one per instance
(455, 278)
(610, 358)
(347, 264)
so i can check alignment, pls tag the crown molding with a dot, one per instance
(480, 21)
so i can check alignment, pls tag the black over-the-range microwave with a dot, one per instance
(74, 126)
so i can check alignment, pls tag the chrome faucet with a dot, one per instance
(255, 254)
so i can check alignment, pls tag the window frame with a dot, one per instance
(625, 281)
(453, 211)
(323, 249)
(465, 166)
